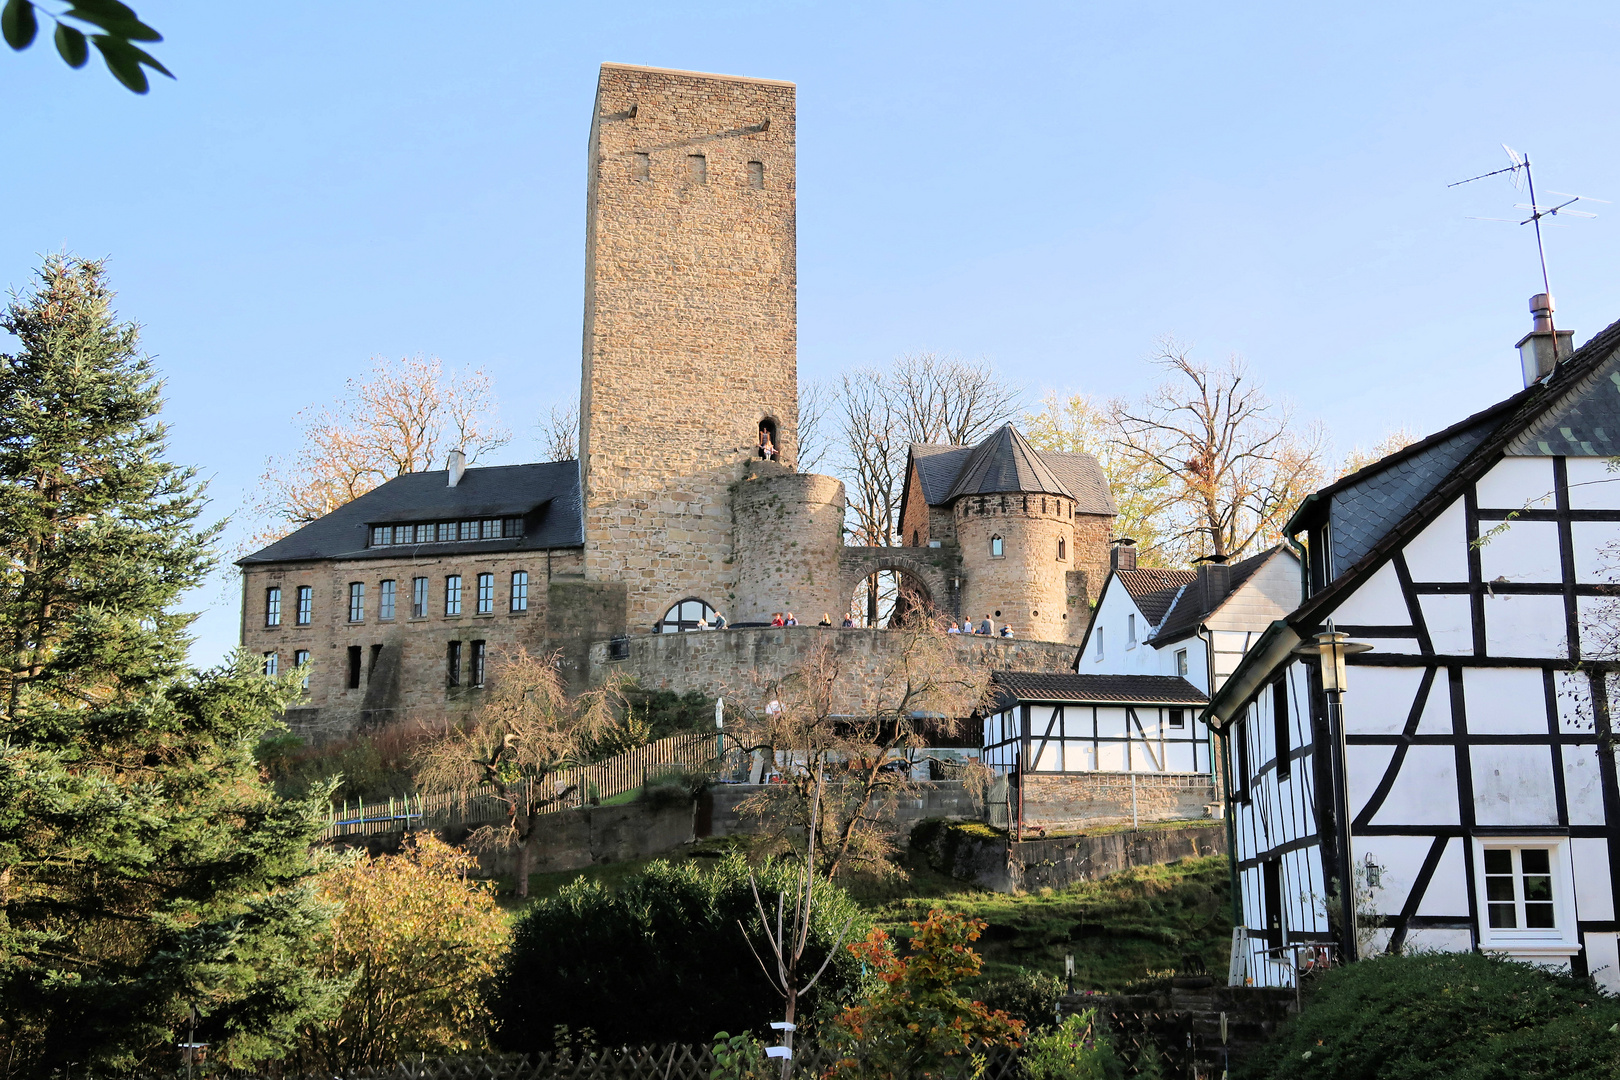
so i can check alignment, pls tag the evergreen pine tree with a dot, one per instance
(145, 868)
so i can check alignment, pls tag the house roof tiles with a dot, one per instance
(1014, 686)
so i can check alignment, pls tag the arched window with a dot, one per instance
(770, 447)
(685, 616)
(1063, 549)
(995, 547)
(916, 538)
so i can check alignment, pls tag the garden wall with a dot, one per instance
(1075, 802)
(987, 858)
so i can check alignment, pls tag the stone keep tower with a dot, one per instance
(690, 323)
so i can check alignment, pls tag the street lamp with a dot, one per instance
(1330, 649)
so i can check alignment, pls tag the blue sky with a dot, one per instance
(1051, 186)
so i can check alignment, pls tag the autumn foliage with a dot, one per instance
(419, 940)
(916, 1023)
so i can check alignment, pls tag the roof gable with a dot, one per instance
(1005, 463)
(1010, 687)
(1196, 603)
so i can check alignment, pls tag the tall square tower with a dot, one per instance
(690, 323)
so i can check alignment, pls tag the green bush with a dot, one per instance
(675, 785)
(661, 958)
(1030, 996)
(1446, 1016)
(1078, 1049)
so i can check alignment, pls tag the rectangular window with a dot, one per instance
(1280, 726)
(1099, 643)
(756, 175)
(1181, 663)
(452, 595)
(512, 527)
(424, 534)
(452, 664)
(272, 606)
(1178, 718)
(419, 597)
(357, 601)
(491, 529)
(447, 531)
(306, 604)
(385, 600)
(1130, 631)
(1271, 871)
(477, 663)
(520, 590)
(301, 661)
(272, 664)
(640, 166)
(486, 593)
(697, 168)
(354, 667)
(469, 530)
(379, 535)
(1519, 889)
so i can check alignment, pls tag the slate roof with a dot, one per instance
(1015, 686)
(1005, 462)
(1191, 606)
(545, 495)
(1154, 589)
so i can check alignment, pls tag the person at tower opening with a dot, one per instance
(849, 622)
(791, 621)
(986, 627)
(826, 620)
(719, 621)
(767, 449)
(776, 618)
(1006, 629)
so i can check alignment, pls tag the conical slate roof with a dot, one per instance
(1005, 462)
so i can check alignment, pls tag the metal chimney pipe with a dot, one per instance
(1545, 345)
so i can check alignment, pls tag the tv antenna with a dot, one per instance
(1520, 176)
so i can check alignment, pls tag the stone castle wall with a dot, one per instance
(741, 662)
(690, 322)
(1027, 584)
(787, 541)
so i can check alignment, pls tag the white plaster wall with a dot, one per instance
(1451, 627)
(1592, 484)
(1436, 718)
(1505, 701)
(1599, 625)
(1594, 895)
(1513, 482)
(1424, 791)
(1367, 765)
(1401, 858)
(1513, 785)
(1525, 626)
(1440, 552)
(1447, 893)
(1573, 693)
(1583, 785)
(1603, 960)
(1379, 699)
(1377, 602)
(1519, 551)
(1596, 546)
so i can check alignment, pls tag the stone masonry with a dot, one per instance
(690, 322)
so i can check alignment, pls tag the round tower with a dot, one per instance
(786, 535)
(1017, 554)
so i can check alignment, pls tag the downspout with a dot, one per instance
(1208, 638)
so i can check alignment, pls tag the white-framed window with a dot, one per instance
(1130, 631)
(357, 601)
(689, 614)
(1526, 896)
(486, 595)
(997, 549)
(520, 590)
(452, 596)
(1098, 653)
(1181, 663)
(306, 605)
(272, 664)
(477, 663)
(385, 599)
(272, 606)
(419, 597)
(301, 660)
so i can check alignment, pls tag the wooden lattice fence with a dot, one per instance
(480, 805)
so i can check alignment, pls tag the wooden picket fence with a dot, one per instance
(481, 806)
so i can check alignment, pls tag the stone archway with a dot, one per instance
(933, 569)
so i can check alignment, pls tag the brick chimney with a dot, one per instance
(1122, 555)
(457, 467)
(1542, 348)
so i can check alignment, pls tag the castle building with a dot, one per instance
(685, 501)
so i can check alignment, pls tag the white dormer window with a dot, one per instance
(1130, 631)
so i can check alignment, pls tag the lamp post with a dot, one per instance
(720, 730)
(1330, 649)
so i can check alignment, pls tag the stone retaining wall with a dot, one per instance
(1073, 802)
(728, 662)
(993, 862)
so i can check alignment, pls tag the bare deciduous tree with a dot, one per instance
(815, 442)
(520, 741)
(1232, 463)
(404, 417)
(559, 432)
(832, 752)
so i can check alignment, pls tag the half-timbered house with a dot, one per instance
(1472, 745)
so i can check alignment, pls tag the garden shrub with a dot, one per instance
(1077, 1049)
(1446, 1016)
(1030, 996)
(661, 958)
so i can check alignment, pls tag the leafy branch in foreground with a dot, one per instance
(114, 29)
